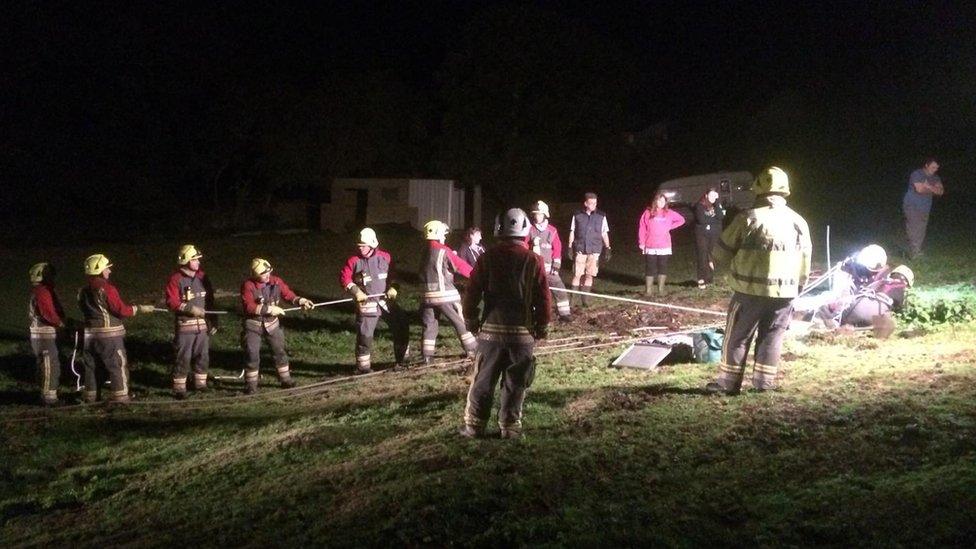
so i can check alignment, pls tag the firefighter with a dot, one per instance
(189, 295)
(512, 282)
(260, 298)
(769, 249)
(589, 236)
(46, 319)
(104, 310)
(543, 239)
(368, 273)
(439, 264)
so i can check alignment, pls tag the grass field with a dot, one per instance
(868, 443)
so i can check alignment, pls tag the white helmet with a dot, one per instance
(367, 237)
(514, 224)
(435, 230)
(541, 207)
(872, 258)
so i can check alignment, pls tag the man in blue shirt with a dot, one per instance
(922, 185)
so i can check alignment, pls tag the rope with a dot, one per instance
(641, 302)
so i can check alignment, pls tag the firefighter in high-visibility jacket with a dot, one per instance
(104, 310)
(46, 321)
(769, 249)
(260, 298)
(543, 239)
(438, 266)
(512, 282)
(189, 295)
(370, 273)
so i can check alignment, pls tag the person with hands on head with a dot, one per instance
(512, 283)
(103, 310)
(370, 272)
(189, 294)
(260, 298)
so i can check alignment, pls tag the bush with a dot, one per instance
(942, 305)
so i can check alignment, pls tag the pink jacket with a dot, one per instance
(655, 232)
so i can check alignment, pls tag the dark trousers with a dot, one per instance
(428, 317)
(561, 299)
(655, 265)
(48, 366)
(515, 366)
(704, 242)
(764, 319)
(192, 349)
(916, 223)
(106, 354)
(252, 351)
(366, 326)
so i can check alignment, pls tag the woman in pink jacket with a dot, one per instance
(654, 239)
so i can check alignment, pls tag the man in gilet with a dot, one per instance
(589, 235)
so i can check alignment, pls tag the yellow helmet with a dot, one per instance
(435, 230)
(39, 272)
(260, 266)
(96, 264)
(367, 237)
(907, 273)
(188, 252)
(772, 180)
(541, 207)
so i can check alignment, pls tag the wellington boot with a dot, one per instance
(574, 299)
(660, 283)
(648, 285)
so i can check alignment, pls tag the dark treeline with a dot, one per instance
(143, 118)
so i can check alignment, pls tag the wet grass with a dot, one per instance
(869, 442)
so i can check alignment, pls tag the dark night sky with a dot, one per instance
(907, 65)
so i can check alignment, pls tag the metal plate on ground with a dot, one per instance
(643, 355)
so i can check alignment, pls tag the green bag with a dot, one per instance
(707, 345)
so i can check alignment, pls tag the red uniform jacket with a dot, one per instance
(45, 306)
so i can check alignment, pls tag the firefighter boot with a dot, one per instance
(660, 283)
(470, 431)
(648, 285)
(284, 377)
(179, 388)
(199, 382)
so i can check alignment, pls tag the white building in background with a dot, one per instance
(360, 202)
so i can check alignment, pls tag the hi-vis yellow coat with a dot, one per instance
(769, 249)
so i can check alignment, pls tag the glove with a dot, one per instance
(541, 332)
(195, 311)
(145, 308)
(275, 310)
(359, 295)
(472, 325)
(305, 303)
(391, 293)
(556, 264)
